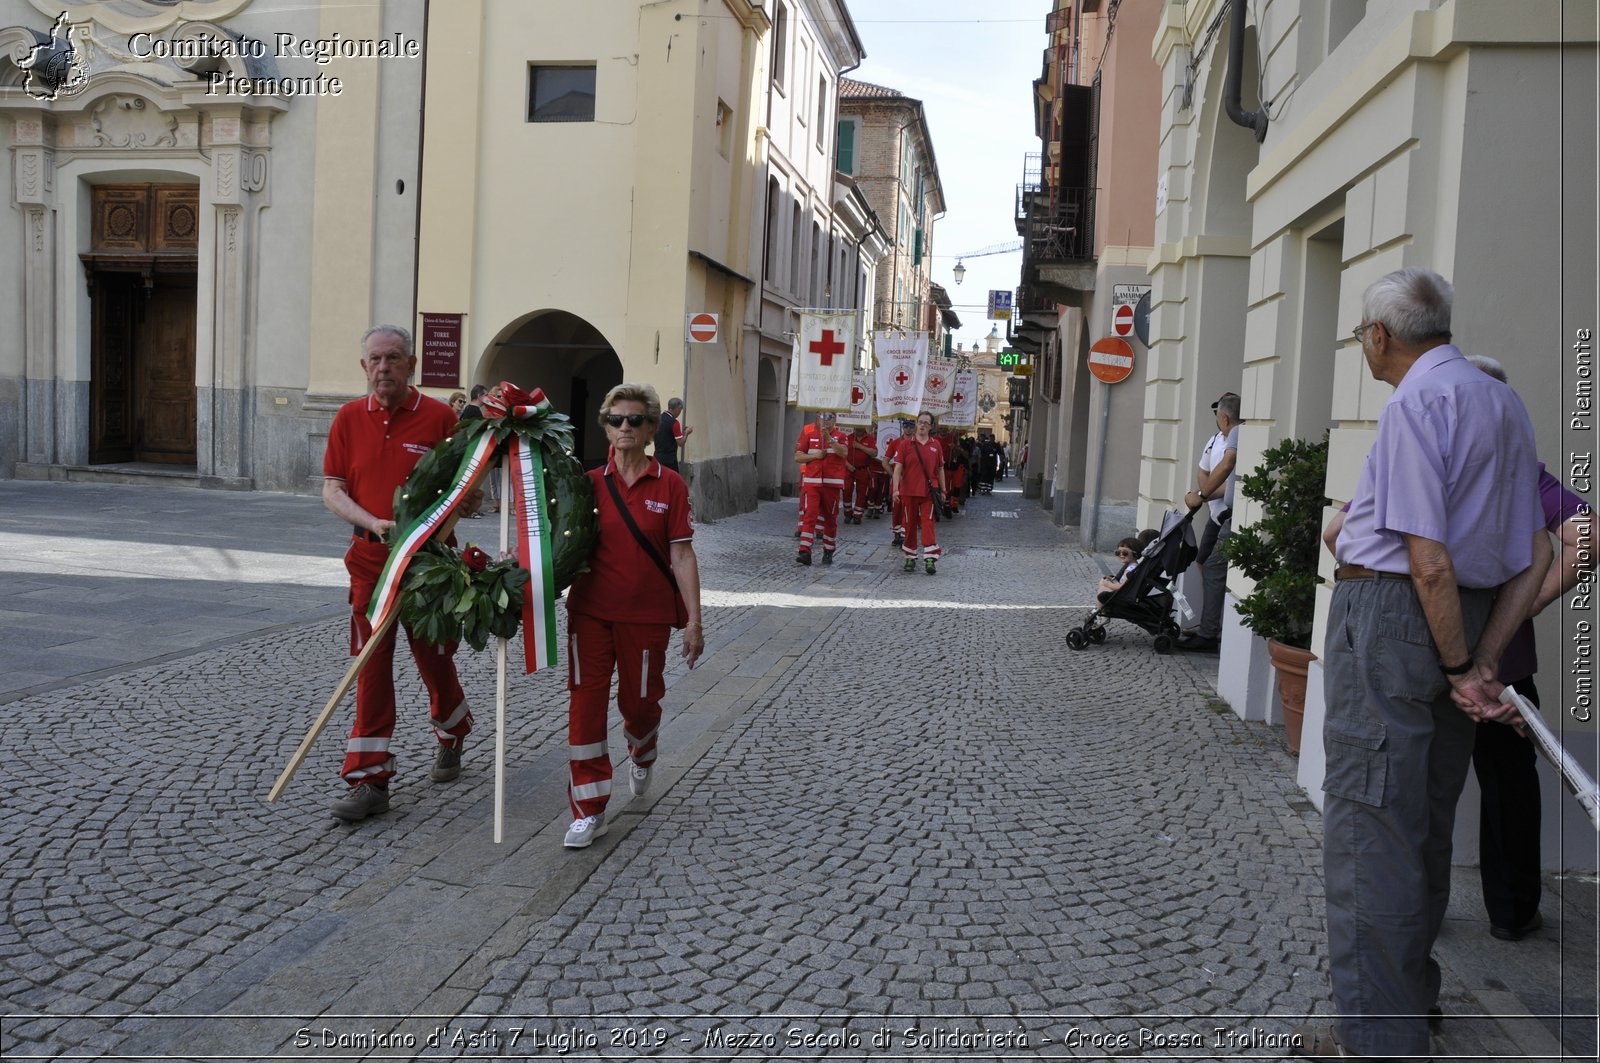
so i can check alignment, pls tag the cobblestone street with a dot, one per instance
(894, 817)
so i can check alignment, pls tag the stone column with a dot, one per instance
(34, 187)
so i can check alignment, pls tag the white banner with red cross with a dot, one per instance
(860, 400)
(939, 386)
(902, 359)
(963, 401)
(827, 356)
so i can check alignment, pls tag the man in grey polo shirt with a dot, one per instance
(1439, 560)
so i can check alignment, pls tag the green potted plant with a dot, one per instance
(1279, 552)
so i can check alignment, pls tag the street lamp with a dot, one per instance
(960, 272)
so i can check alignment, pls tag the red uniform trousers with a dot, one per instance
(919, 517)
(879, 489)
(819, 507)
(857, 488)
(638, 654)
(366, 757)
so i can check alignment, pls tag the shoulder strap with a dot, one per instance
(616, 497)
(922, 464)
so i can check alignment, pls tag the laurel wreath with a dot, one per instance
(452, 596)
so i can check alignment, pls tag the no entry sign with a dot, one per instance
(702, 328)
(1122, 320)
(1111, 359)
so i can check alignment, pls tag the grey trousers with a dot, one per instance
(1398, 750)
(1213, 577)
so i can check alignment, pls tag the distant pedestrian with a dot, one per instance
(918, 476)
(1214, 479)
(821, 451)
(643, 578)
(473, 409)
(373, 444)
(670, 434)
(861, 457)
(458, 402)
(1440, 557)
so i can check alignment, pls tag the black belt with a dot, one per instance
(364, 536)
(1350, 572)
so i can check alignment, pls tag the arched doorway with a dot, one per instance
(567, 358)
(769, 432)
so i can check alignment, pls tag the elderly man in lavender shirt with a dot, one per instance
(1439, 560)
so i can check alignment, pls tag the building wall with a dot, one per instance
(626, 223)
(1401, 137)
(273, 172)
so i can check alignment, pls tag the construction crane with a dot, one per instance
(960, 272)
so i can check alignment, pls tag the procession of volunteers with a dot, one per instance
(641, 578)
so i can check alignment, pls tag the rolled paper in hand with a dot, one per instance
(1578, 781)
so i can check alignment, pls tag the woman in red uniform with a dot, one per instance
(918, 469)
(620, 613)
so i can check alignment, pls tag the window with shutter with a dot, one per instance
(847, 147)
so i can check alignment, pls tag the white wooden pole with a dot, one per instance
(1578, 781)
(500, 671)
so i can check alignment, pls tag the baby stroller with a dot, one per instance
(1145, 597)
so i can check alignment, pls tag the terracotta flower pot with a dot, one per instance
(1291, 663)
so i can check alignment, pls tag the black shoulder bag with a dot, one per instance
(934, 494)
(679, 606)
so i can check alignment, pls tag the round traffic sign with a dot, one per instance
(1111, 359)
(703, 328)
(1141, 319)
(1122, 320)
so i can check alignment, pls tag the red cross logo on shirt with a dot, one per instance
(827, 347)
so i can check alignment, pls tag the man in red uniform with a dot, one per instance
(372, 447)
(862, 456)
(820, 450)
(918, 469)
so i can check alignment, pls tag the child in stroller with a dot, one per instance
(1143, 593)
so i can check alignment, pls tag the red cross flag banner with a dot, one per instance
(827, 359)
(939, 386)
(902, 359)
(888, 432)
(963, 401)
(860, 400)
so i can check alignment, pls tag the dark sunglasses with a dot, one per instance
(615, 419)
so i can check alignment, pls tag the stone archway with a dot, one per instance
(568, 359)
(769, 432)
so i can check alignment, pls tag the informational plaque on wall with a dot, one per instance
(441, 350)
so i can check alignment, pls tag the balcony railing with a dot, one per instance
(1056, 225)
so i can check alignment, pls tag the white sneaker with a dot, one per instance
(638, 779)
(584, 831)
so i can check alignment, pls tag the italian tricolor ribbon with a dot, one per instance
(529, 502)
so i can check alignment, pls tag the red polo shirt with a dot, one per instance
(373, 451)
(858, 460)
(828, 470)
(623, 585)
(912, 483)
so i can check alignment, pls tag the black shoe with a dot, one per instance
(804, 557)
(1198, 644)
(898, 539)
(1505, 933)
(827, 557)
(446, 764)
(363, 800)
